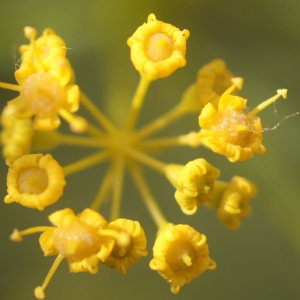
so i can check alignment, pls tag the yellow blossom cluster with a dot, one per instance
(45, 83)
(87, 239)
(47, 91)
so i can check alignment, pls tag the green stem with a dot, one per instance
(96, 113)
(137, 102)
(147, 197)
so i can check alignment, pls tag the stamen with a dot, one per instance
(122, 251)
(122, 238)
(191, 139)
(39, 291)
(72, 247)
(240, 128)
(77, 124)
(31, 33)
(237, 83)
(260, 107)
(9, 86)
(186, 259)
(17, 236)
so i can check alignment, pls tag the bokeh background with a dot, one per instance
(259, 40)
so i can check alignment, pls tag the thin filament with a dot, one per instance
(39, 291)
(103, 190)
(137, 102)
(145, 159)
(96, 113)
(161, 122)
(260, 107)
(85, 162)
(147, 197)
(80, 141)
(9, 86)
(117, 187)
(164, 142)
(94, 131)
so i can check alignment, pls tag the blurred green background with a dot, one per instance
(259, 40)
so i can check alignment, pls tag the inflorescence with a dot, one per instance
(47, 93)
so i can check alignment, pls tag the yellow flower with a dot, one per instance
(234, 203)
(213, 79)
(43, 96)
(34, 180)
(44, 78)
(194, 183)
(16, 134)
(229, 131)
(158, 48)
(77, 238)
(124, 256)
(180, 254)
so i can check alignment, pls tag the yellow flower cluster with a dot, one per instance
(45, 84)
(229, 131)
(87, 239)
(47, 91)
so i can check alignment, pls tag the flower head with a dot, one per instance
(44, 97)
(47, 93)
(228, 130)
(158, 48)
(213, 79)
(126, 254)
(194, 183)
(34, 180)
(234, 203)
(45, 84)
(77, 238)
(180, 254)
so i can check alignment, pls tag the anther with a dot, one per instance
(77, 123)
(30, 33)
(16, 236)
(186, 259)
(263, 105)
